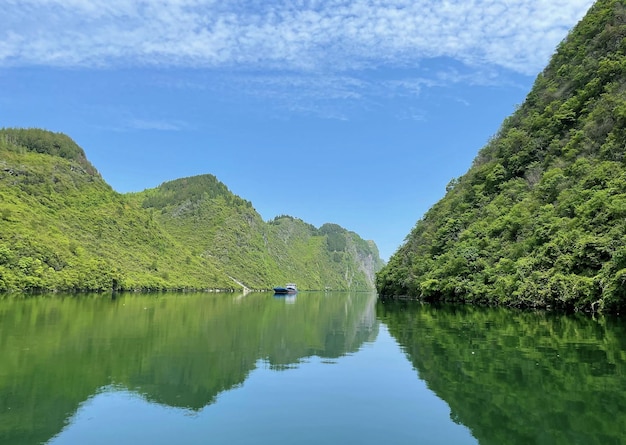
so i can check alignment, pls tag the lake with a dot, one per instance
(314, 368)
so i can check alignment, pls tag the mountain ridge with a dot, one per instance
(63, 228)
(201, 210)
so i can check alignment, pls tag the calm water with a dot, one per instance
(318, 368)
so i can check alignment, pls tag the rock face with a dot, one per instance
(369, 262)
(539, 218)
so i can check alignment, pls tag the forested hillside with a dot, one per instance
(63, 228)
(200, 211)
(540, 217)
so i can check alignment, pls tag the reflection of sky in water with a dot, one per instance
(370, 397)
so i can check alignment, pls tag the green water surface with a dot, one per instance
(315, 368)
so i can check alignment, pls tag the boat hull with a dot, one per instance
(282, 290)
(289, 289)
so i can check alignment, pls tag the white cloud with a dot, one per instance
(304, 35)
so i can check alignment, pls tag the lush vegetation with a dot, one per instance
(540, 217)
(201, 212)
(63, 228)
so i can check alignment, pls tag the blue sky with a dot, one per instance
(356, 112)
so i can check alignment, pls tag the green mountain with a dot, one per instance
(540, 217)
(63, 228)
(201, 212)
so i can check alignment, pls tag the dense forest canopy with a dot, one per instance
(189, 190)
(540, 217)
(63, 228)
(42, 141)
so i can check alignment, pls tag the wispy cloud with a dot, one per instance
(306, 35)
(328, 58)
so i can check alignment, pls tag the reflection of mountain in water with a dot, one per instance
(519, 377)
(179, 350)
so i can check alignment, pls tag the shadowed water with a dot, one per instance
(331, 367)
(515, 377)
